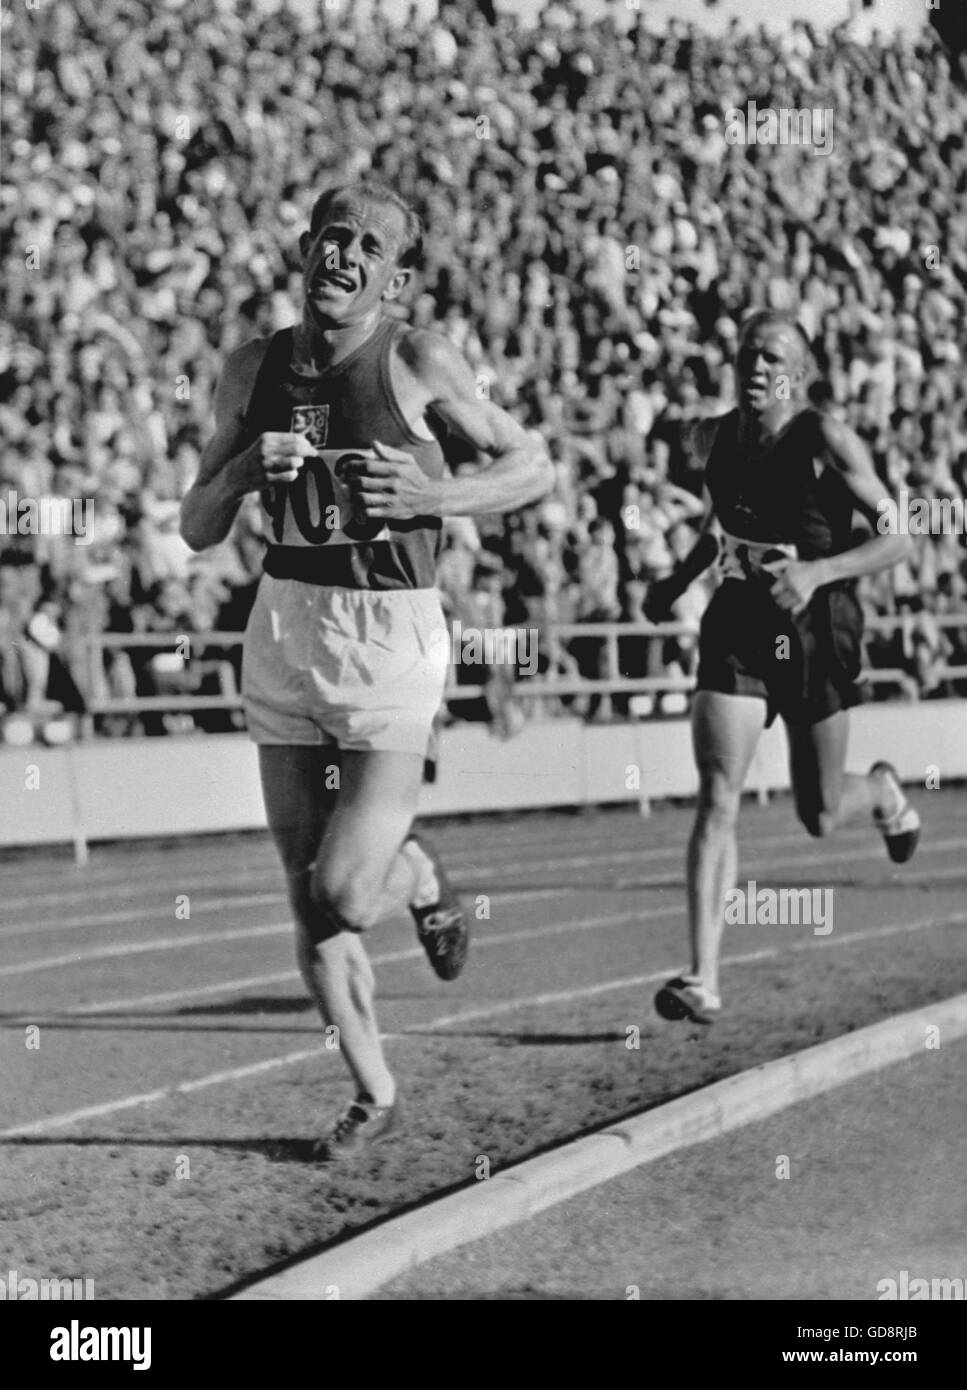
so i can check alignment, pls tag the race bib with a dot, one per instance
(739, 559)
(317, 508)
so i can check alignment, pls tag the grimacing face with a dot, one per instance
(770, 363)
(351, 261)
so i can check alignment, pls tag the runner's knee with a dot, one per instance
(351, 899)
(325, 908)
(718, 799)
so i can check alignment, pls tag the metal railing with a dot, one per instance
(182, 698)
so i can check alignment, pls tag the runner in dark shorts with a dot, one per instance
(335, 425)
(800, 513)
(782, 633)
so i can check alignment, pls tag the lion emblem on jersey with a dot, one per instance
(313, 422)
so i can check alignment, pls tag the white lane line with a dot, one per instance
(217, 858)
(506, 1006)
(383, 958)
(115, 879)
(198, 906)
(171, 883)
(633, 981)
(138, 948)
(156, 910)
(278, 977)
(165, 879)
(175, 943)
(152, 879)
(144, 913)
(112, 1107)
(755, 849)
(170, 996)
(906, 876)
(175, 884)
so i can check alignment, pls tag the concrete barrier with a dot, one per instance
(363, 1263)
(132, 788)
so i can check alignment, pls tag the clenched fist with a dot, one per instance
(273, 458)
(795, 582)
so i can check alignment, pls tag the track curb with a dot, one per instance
(363, 1263)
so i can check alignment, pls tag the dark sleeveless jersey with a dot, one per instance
(314, 533)
(804, 664)
(776, 496)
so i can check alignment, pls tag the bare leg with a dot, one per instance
(340, 849)
(826, 795)
(725, 731)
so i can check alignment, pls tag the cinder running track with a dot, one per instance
(162, 1075)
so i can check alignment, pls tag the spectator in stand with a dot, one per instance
(156, 157)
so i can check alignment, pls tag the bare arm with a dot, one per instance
(697, 437)
(847, 453)
(798, 580)
(230, 468)
(664, 592)
(393, 485)
(687, 504)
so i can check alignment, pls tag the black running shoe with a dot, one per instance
(686, 998)
(442, 927)
(899, 827)
(361, 1125)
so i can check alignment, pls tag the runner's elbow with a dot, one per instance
(188, 533)
(191, 527)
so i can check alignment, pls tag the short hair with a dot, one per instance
(376, 192)
(761, 318)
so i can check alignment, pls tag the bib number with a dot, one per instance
(317, 508)
(745, 559)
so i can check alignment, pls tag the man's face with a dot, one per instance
(351, 262)
(770, 365)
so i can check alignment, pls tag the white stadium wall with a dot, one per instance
(135, 788)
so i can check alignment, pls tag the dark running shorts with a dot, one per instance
(805, 678)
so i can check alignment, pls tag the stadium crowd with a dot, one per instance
(593, 241)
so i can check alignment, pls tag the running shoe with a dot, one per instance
(687, 998)
(899, 826)
(442, 927)
(361, 1125)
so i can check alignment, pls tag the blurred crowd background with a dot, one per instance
(593, 243)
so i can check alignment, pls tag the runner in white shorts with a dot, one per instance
(346, 649)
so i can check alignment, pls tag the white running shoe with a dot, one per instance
(900, 826)
(686, 997)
